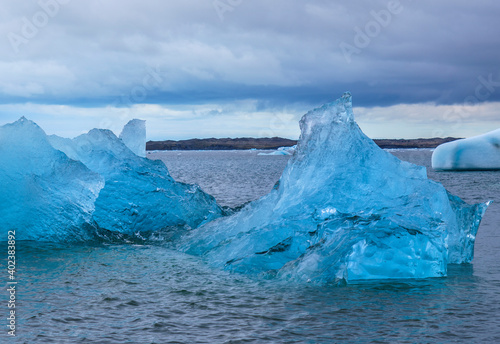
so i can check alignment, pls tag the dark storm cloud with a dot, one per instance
(96, 53)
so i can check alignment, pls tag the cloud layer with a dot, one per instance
(281, 57)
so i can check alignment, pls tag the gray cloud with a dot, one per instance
(95, 53)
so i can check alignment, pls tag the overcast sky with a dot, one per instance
(232, 68)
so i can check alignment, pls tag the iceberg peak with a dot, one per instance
(339, 111)
(45, 195)
(23, 127)
(24, 121)
(133, 136)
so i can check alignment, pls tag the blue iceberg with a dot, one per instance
(133, 136)
(139, 194)
(343, 210)
(58, 189)
(44, 195)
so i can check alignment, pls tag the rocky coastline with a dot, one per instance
(276, 142)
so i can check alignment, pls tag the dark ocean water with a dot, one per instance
(150, 294)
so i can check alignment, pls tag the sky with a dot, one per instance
(250, 68)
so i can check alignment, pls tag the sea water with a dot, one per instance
(136, 293)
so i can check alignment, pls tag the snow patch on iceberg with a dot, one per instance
(480, 152)
(343, 210)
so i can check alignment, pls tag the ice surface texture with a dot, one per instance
(56, 189)
(44, 195)
(139, 194)
(475, 153)
(134, 136)
(343, 210)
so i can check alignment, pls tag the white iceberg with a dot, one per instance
(282, 151)
(475, 153)
(343, 210)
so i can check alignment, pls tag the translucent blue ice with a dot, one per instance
(480, 152)
(343, 210)
(44, 195)
(133, 136)
(139, 194)
(56, 189)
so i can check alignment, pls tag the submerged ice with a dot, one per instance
(480, 152)
(57, 189)
(343, 210)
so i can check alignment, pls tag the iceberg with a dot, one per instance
(63, 190)
(139, 194)
(282, 151)
(44, 195)
(343, 210)
(133, 136)
(480, 152)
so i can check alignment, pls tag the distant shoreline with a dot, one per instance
(246, 143)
